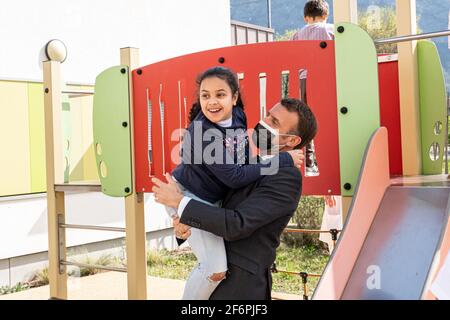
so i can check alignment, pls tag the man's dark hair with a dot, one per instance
(316, 8)
(307, 124)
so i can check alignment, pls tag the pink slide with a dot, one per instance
(396, 237)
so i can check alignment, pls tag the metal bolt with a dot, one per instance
(304, 277)
(323, 44)
(221, 60)
(124, 124)
(127, 189)
(46, 90)
(139, 72)
(347, 186)
(334, 234)
(123, 70)
(344, 110)
(341, 29)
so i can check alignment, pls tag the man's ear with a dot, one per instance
(294, 141)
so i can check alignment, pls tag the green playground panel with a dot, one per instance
(112, 138)
(432, 107)
(357, 91)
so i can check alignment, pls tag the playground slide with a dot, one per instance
(396, 236)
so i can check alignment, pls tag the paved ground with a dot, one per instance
(113, 286)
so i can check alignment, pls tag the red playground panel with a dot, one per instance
(164, 92)
(390, 112)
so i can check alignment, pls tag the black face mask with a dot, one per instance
(262, 136)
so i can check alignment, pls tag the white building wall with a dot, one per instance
(94, 30)
(23, 221)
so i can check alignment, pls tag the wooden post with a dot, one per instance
(409, 89)
(134, 207)
(345, 11)
(55, 174)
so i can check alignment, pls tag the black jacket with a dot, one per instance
(251, 222)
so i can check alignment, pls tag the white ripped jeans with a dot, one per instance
(209, 250)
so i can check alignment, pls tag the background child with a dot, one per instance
(315, 15)
(218, 111)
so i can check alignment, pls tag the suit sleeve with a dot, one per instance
(274, 197)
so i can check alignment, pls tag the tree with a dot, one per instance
(381, 23)
(287, 35)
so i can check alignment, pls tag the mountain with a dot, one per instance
(288, 14)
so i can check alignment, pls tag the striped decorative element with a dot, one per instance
(37, 136)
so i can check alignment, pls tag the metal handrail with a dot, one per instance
(92, 266)
(293, 230)
(87, 227)
(78, 92)
(413, 37)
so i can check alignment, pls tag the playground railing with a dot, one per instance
(305, 275)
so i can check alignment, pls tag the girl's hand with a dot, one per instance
(167, 193)
(297, 156)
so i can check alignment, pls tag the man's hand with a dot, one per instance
(297, 156)
(167, 193)
(181, 230)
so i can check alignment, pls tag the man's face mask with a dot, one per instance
(264, 136)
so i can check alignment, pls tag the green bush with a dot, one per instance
(307, 216)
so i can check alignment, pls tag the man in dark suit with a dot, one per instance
(252, 218)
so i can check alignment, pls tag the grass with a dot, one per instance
(177, 265)
(307, 259)
(17, 288)
(170, 264)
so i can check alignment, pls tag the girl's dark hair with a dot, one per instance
(221, 73)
